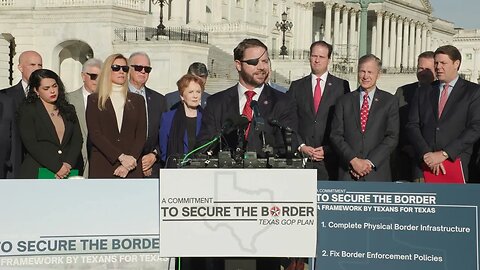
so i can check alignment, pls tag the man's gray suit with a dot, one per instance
(76, 99)
(376, 143)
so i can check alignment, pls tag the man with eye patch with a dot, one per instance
(78, 98)
(253, 65)
(155, 104)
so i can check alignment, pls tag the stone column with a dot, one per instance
(378, 46)
(398, 55)
(429, 40)
(4, 58)
(308, 26)
(424, 38)
(216, 11)
(196, 14)
(386, 35)
(352, 40)
(418, 39)
(328, 22)
(179, 10)
(336, 25)
(476, 65)
(411, 46)
(393, 40)
(344, 26)
(406, 28)
(374, 40)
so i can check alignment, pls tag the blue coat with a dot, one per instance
(164, 133)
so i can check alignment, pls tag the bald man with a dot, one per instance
(29, 61)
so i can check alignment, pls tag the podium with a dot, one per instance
(237, 213)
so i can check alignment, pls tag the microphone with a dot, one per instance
(237, 122)
(258, 121)
(276, 123)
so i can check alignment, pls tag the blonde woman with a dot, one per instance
(116, 123)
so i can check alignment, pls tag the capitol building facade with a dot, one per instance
(68, 32)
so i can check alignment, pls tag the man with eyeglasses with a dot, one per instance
(28, 62)
(78, 98)
(253, 65)
(155, 104)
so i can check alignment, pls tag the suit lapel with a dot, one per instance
(306, 87)
(265, 101)
(434, 95)
(45, 118)
(327, 95)
(455, 95)
(111, 115)
(355, 103)
(373, 111)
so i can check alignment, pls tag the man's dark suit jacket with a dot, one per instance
(108, 142)
(376, 143)
(10, 145)
(16, 92)
(156, 105)
(457, 129)
(314, 128)
(43, 149)
(403, 156)
(225, 105)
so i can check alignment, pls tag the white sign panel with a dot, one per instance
(80, 224)
(238, 212)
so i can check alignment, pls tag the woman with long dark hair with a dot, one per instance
(48, 127)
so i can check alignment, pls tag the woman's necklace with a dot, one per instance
(53, 113)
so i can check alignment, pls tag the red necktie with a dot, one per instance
(364, 112)
(247, 110)
(317, 95)
(443, 99)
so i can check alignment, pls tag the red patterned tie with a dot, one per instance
(317, 95)
(364, 112)
(443, 99)
(247, 111)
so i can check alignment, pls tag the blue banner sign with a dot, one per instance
(397, 226)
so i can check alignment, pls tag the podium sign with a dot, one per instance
(80, 224)
(395, 226)
(238, 212)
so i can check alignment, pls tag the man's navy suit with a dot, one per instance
(457, 129)
(272, 104)
(10, 145)
(16, 92)
(156, 105)
(314, 127)
(376, 143)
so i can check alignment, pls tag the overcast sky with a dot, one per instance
(463, 13)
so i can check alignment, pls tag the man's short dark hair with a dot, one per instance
(427, 54)
(323, 44)
(452, 52)
(370, 57)
(245, 44)
(198, 69)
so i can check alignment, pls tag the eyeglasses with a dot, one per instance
(252, 62)
(118, 67)
(92, 76)
(139, 68)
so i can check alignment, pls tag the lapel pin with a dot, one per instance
(376, 99)
(329, 84)
(265, 102)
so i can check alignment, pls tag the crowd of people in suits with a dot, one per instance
(115, 126)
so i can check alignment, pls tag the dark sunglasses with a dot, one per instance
(139, 68)
(118, 67)
(253, 62)
(92, 76)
